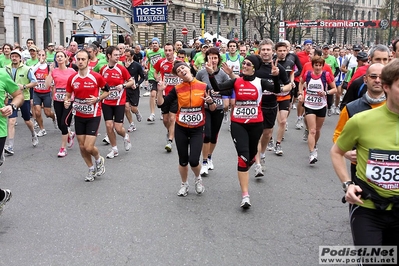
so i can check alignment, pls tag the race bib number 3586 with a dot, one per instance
(383, 169)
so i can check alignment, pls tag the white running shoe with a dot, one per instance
(100, 167)
(183, 191)
(42, 133)
(258, 171)
(35, 140)
(126, 142)
(313, 157)
(106, 140)
(270, 146)
(62, 153)
(210, 164)
(132, 127)
(139, 117)
(113, 153)
(168, 146)
(91, 175)
(299, 123)
(151, 118)
(204, 169)
(245, 202)
(199, 188)
(71, 141)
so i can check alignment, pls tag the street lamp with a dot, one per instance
(218, 4)
(203, 18)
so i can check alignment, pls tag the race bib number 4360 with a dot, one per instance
(383, 169)
(191, 116)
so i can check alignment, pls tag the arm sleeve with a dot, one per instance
(170, 98)
(226, 87)
(298, 66)
(343, 118)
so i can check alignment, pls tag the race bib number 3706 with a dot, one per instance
(383, 169)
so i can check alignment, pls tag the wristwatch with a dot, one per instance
(14, 107)
(346, 184)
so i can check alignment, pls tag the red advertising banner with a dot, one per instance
(383, 24)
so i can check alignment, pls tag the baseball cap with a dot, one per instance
(204, 45)
(308, 41)
(32, 47)
(16, 52)
(362, 56)
(326, 46)
(50, 44)
(356, 47)
(298, 47)
(155, 39)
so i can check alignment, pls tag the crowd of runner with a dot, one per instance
(252, 88)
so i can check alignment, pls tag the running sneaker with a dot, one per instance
(299, 123)
(35, 124)
(225, 118)
(146, 94)
(305, 135)
(329, 112)
(7, 197)
(210, 164)
(286, 126)
(293, 106)
(337, 111)
(100, 167)
(204, 169)
(245, 202)
(113, 153)
(126, 142)
(258, 171)
(262, 159)
(199, 188)
(278, 150)
(313, 157)
(41, 133)
(71, 141)
(139, 117)
(55, 122)
(132, 127)
(62, 153)
(151, 118)
(35, 140)
(106, 140)
(2, 158)
(161, 115)
(183, 191)
(9, 150)
(91, 175)
(270, 145)
(168, 146)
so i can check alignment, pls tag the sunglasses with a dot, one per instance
(248, 64)
(374, 76)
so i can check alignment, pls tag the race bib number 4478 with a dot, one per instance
(383, 169)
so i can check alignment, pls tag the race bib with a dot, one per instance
(383, 169)
(245, 110)
(191, 116)
(41, 86)
(81, 106)
(171, 80)
(114, 94)
(59, 94)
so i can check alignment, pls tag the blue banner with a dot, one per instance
(150, 14)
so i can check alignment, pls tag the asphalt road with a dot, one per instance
(132, 215)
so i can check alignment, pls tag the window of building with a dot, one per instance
(184, 16)
(32, 24)
(227, 21)
(193, 19)
(74, 26)
(16, 30)
(62, 33)
(74, 3)
(61, 2)
(210, 19)
(173, 15)
(236, 22)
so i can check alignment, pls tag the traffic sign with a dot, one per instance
(184, 31)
